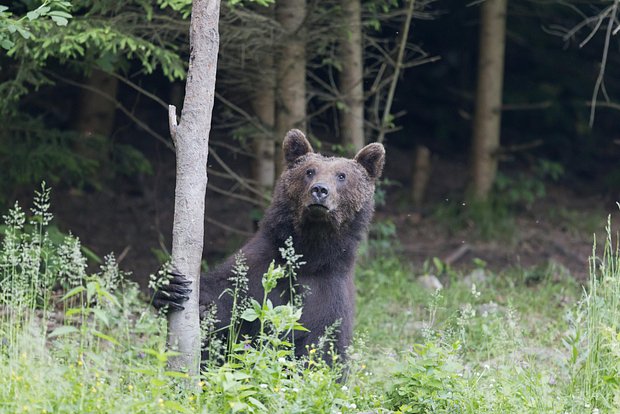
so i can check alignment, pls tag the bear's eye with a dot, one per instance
(310, 172)
(341, 176)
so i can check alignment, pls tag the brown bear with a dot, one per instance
(325, 204)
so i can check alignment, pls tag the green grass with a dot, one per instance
(519, 341)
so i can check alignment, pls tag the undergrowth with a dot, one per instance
(520, 341)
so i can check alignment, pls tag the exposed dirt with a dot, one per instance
(136, 218)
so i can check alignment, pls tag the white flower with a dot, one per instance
(345, 388)
(263, 386)
(281, 360)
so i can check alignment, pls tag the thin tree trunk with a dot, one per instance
(352, 77)
(487, 117)
(191, 139)
(290, 69)
(420, 174)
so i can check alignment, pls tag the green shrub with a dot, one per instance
(431, 381)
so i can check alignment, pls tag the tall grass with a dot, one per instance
(74, 340)
(594, 340)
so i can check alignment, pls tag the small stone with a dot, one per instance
(477, 276)
(430, 282)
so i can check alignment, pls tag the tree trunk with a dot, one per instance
(352, 77)
(290, 69)
(96, 115)
(96, 112)
(487, 117)
(420, 175)
(264, 106)
(191, 139)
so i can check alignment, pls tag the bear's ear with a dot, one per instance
(372, 158)
(294, 146)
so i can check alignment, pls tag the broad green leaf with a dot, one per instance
(63, 330)
(106, 337)
(73, 292)
(60, 21)
(74, 311)
(60, 13)
(24, 33)
(249, 315)
(104, 293)
(91, 288)
(101, 315)
(6, 44)
(176, 374)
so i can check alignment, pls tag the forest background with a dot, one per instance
(86, 85)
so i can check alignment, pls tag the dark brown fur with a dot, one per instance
(325, 229)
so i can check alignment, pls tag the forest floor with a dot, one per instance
(134, 221)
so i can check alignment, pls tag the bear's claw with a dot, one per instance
(172, 295)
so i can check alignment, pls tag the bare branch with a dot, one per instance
(172, 121)
(118, 105)
(139, 89)
(601, 75)
(397, 68)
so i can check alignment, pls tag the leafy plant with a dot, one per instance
(431, 381)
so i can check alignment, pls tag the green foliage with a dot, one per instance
(498, 345)
(524, 189)
(98, 35)
(429, 381)
(593, 340)
(12, 28)
(493, 218)
(374, 9)
(31, 152)
(93, 347)
(490, 219)
(54, 41)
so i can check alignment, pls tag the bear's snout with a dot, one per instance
(319, 193)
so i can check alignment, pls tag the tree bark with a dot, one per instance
(290, 69)
(96, 115)
(96, 112)
(420, 175)
(487, 117)
(352, 77)
(191, 139)
(264, 106)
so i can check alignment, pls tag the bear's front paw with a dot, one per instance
(173, 294)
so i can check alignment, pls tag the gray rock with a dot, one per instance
(430, 282)
(477, 276)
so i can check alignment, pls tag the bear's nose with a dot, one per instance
(319, 192)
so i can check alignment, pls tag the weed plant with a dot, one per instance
(519, 341)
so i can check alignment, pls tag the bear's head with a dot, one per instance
(332, 191)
